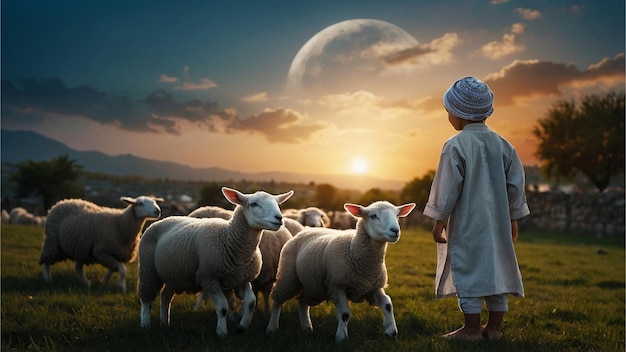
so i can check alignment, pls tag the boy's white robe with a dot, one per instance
(479, 189)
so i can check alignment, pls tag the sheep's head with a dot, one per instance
(312, 216)
(145, 207)
(380, 219)
(260, 209)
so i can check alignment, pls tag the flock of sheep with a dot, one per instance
(21, 216)
(233, 255)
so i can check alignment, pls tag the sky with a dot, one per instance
(337, 87)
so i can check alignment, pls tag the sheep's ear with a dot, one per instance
(158, 199)
(281, 198)
(405, 209)
(233, 195)
(354, 209)
(128, 200)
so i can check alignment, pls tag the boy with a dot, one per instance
(477, 196)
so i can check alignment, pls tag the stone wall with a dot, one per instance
(590, 213)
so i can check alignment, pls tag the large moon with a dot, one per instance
(347, 55)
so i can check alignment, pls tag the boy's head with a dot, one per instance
(470, 99)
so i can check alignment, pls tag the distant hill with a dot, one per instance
(19, 146)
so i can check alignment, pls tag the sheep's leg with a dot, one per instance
(343, 315)
(274, 318)
(47, 276)
(145, 314)
(248, 307)
(113, 265)
(201, 298)
(166, 301)
(106, 277)
(81, 275)
(231, 298)
(214, 290)
(305, 317)
(380, 299)
(121, 268)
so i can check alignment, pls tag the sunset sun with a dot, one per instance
(359, 165)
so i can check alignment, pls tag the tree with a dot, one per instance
(52, 180)
(588, 139)
(211, 194)
(418, 189)
(375, 194)
(325, 196)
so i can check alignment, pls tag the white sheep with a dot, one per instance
(21, 216)
(270, 246)
(342, 220)
(86, 233)
(325, 264)
(184, 254)
(311, 216)
(292, 225)
(211, 211)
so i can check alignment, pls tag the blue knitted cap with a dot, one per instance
(470, 99)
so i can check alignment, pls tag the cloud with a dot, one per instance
(508, 46)
(277, 125)
(527, 78)
(256, 98)
(167, 79)
(498, 2)
(436, 52)
(528, 14)
(35, 100)
(187, 83)
(204, 84)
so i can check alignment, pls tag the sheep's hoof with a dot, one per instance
(393, 335)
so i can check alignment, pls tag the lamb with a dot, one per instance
(326, 264)
(184, 254)
(270, 246)
(211, 211)
(86, 233)
(311, 216)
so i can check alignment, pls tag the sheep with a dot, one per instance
(292, 225)
(270, 246)
(5, 216)
(184, 254)
(21, 216)
(342, 220)
(326, 264)
(210, 211)
(86, 233)
(311, 216)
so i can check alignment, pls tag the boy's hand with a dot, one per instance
(438, 232)
(514, 230)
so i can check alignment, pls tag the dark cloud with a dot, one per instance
(279, 125)
(409, 55)
(33, 100)
(534, 77)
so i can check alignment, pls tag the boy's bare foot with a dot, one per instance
(462, 335)
(493, 335)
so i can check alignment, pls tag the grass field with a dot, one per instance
(574, 302)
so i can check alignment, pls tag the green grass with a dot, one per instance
(575, 302)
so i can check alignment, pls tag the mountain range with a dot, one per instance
(20, 146)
